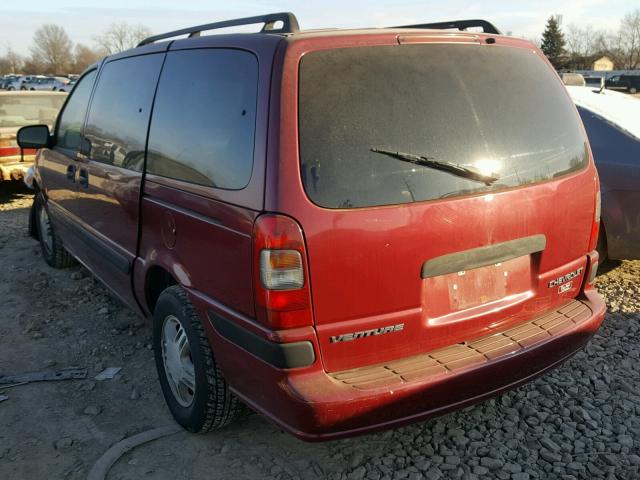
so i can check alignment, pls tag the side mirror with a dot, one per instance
(34, 136)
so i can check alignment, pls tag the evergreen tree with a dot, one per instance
(553, 42)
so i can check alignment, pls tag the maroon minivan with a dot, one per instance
(345, 230)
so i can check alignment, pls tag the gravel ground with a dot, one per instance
(580, 421)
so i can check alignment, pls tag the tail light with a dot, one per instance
(8, 146)
(593, 242)
(595, 227)
(281, 282)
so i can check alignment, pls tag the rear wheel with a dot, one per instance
(192, 383)
(53, 251)
(633, 90)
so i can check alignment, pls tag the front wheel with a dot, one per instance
(53, 251)
(192, 383)
(633, 90)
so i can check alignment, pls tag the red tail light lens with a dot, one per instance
(9, 146)
(281, 282)
(595, 228)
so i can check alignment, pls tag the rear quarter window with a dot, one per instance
(497, 110)
(203, 123)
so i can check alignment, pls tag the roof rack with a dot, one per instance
(289, 25)
(487, 27)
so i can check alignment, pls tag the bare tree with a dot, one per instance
(13, 60)
(581, 40)
(10, 62)
(5, 66)
(122, 36)
(629, 40)
(582, 46)
(51, 49)
(34, 66)
(85, 56)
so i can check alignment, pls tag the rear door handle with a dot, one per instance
(71, 173)
(83, 177)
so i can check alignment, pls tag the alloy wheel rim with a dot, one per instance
(177, 361)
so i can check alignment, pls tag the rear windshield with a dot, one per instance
(466, 119)
(22, 109)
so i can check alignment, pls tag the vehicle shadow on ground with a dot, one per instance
(13, 190)
(607, 266)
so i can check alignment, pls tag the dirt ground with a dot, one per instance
(581, 421)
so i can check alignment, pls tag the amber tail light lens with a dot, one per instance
(595, 228)
(281, 269)
(281, 282)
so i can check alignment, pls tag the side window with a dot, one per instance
(119, 115)
(203, 123)
(72, 117)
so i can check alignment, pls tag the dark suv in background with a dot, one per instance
(626, 83)
(345, 229)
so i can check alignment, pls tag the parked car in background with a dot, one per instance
(625, 83)
(328, 230)
(17, 82)
(18, 109)
(7, 80)
(597, 82)
(66, 87)
(570, 78)
(30, 81)
(612, 121)
(38, 82)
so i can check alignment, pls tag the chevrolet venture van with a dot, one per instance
(345, 230)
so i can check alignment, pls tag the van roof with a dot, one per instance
(286, 24)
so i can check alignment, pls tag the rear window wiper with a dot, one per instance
(454, 168)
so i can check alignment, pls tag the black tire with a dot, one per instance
(53, 250)
(213, 406)
(603, 254)
(633, 90)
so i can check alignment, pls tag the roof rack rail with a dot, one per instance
(288, 19)
(487, 27)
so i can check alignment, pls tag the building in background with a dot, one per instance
(602, 64)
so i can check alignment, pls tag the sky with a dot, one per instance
(84, 20)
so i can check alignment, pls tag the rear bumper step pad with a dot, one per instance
(453, 358)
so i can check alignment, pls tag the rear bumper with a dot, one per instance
(314, 405)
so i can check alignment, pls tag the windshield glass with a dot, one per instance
(496, 110)
(23, 109)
